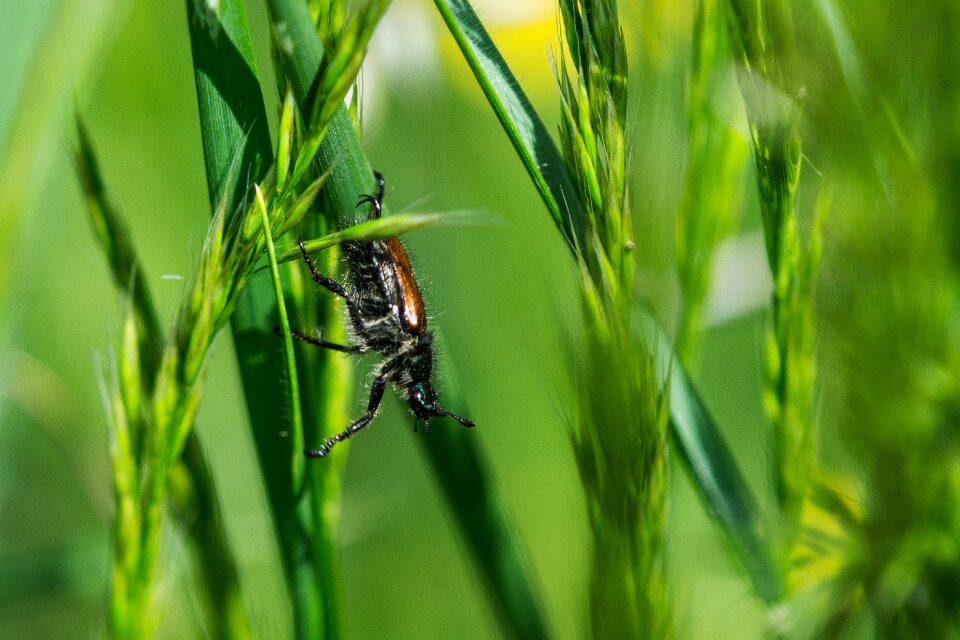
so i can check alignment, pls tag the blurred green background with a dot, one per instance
(501, 291)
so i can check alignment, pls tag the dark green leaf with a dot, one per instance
(458, 462)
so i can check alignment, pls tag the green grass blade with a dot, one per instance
(232, 112)
(386, 227)
(111, 233)
(721, 485)
(198, 508)
(297, 459)
(473, 500)
(522, 124)
(713, 468)
(300, 47)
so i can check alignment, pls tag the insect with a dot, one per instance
(387, 314)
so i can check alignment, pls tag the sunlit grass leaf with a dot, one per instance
(386, 227)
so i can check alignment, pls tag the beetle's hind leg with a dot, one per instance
(376, 396)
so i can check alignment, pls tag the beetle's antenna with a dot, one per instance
(463, 421)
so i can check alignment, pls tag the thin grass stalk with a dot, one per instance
(760, 35)
(620, 432)
(296, 419)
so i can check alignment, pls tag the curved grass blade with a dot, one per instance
(386, 227)
(713, 467)
(714, 470)
(522, 124)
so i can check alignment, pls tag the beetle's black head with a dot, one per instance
(421, 395)
(425, 404)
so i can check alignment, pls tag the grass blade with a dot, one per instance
(714, 469)
(231, 106)
(715, 473)
(457, 462)
(385, 227)
(296, 462)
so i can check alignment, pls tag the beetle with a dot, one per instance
(388, 317)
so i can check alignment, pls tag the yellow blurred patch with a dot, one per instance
(525, 38)
(831, 517)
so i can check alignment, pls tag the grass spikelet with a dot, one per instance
(760, 38)
(619, 435)
(718, 155)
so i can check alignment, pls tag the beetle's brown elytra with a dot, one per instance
(414, 316)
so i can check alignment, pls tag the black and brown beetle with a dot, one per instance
(388, 316)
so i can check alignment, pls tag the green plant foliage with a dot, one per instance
(701, 445)
(715, 386)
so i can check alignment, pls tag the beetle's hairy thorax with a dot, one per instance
(387, 313)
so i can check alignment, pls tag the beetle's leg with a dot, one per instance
(376, 200)
(325, 282)
(463, 421)
(376, 395)
(317, 342)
